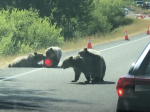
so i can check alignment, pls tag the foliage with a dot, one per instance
(113, 10)
(34, 24)
(72, 15)
(107, 15)
(23, 31)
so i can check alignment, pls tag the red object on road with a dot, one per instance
(48, 62)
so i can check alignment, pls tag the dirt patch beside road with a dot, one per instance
(134, 11)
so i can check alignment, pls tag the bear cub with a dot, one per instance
(98, 63)
(80, 65)
(54, 53)
(30, 60)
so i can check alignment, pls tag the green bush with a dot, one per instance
(106, 15)
(113, 10)
(23, 31)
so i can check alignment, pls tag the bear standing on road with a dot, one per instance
(98, 63)
(31, 60)
(79, 64)
(54, 53)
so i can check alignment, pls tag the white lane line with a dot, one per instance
(21, 74)
(61, 62)
(123, 44)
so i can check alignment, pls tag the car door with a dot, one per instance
(142, 81)
(142, 87)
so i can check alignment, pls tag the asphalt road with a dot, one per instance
(134, 15)
(50, 89)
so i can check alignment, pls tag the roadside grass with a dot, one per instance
(137, 27)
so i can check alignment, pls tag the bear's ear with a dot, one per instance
(35, 53)
(85, 49)
(70, 58)
(51, 49)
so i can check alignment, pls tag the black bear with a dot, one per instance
(30, 60)
(80, 65)
(54, 53)
(98, 61)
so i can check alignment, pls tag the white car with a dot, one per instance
(147, 5)
(126, 11)
(139, 3)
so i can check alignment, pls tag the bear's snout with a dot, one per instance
(62, 66)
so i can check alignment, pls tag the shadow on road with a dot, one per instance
(104, 82)
(31, 100)
(58, 67)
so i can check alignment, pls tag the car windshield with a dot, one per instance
(139, 2)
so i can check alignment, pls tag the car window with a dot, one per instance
(148, 3)
(139, 2)
(145, 66)
(147, 70)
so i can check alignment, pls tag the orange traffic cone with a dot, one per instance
(148, 30)
(126, 36)
(89, 46)
(142, 17)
